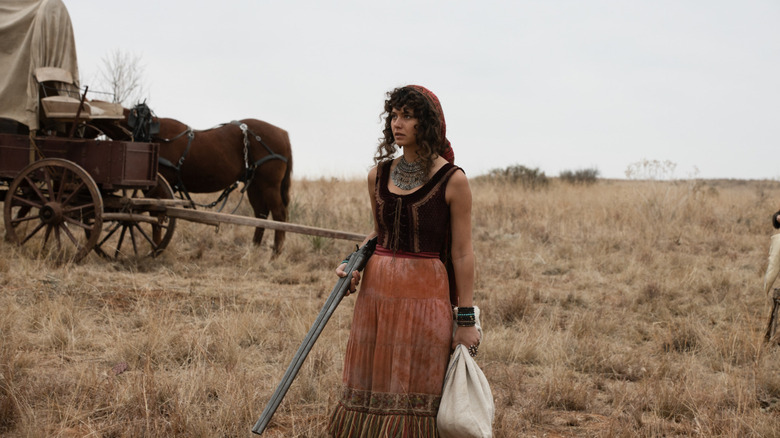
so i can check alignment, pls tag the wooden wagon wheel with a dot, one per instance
(52, 208)
(137, 230)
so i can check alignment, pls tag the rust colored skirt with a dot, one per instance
(398, 350)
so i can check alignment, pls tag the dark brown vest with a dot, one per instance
(417, 222)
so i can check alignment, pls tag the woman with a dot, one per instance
(401, 335)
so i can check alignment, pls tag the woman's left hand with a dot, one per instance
(355, 278)
(469, 337)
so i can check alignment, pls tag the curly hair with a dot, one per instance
(430, 138)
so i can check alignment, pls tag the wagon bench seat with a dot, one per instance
(66, 107)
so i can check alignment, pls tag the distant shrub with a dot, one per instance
(518, 174)
(582, 176)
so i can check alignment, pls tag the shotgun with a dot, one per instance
(357, 261)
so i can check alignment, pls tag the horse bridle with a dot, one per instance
(141, 122)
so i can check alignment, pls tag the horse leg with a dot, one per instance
(260, 209)
(279, 213)
(265, 200)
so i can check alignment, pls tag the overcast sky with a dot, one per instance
(555, 85)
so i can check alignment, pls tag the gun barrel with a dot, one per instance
(357, 262)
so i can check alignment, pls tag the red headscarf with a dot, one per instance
(448, 153)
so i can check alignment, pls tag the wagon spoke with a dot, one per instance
(109, 233)
(36, 189)
(89, 207)
(73, 193)
(48, 181)
(17, 200)
(63, 184)
(57, 238)
(80, 224)
(68, 178)
(46, 236)
(17, 220)
(70, 236)
(121, 239)
(34, 231)
(132, 239)
(146, 236)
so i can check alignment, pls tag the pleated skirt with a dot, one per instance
(397, 353)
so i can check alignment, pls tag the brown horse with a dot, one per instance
(249, 151)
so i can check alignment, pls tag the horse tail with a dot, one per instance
(287, 180)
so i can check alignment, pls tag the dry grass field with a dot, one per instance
(619, 309)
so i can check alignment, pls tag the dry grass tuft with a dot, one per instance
(615, 309)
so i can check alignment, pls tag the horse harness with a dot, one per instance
(147, 128)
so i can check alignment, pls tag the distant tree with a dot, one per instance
(122, 76)
(531, 178)
(581, 176)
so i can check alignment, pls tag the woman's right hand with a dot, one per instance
(340, 272)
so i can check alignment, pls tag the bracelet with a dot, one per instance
(466, 317)
(465, 311)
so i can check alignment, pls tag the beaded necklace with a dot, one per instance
(407, 176)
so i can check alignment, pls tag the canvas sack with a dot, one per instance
(773, 263)
(467, 408)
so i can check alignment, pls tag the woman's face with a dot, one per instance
(404, 126)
